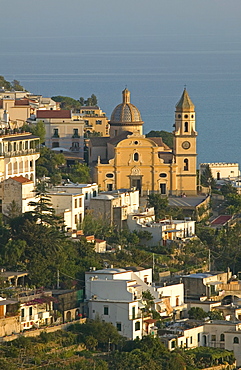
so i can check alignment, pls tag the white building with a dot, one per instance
(115, 206)
(63, 133)
(221, 170)
(88, 190)
(115, 295)
(162, 231)
(70, 207)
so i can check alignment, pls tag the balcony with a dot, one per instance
(43, 315)
(19, 153)
(75, 136)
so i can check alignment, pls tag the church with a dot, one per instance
(128, 159)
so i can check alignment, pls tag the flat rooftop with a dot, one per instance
(186, 202)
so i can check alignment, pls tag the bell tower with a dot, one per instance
(184, 150)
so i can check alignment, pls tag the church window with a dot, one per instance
(186, 116)
(186, 127)
(163, 188)
(109, 175)
(136, 142)
(179, 116)
(109, 187)
(192, 116)
(163, 174)
(186, 164)
(236, 340)
(218, 175)
(136, 157)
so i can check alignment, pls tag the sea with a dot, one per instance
(154, 68)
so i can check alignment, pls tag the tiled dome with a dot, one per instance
(126, 112)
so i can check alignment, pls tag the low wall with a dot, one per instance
(37, 332)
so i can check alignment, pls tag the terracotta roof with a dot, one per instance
(99, 241)
(116, 139)
(21, 179)
(21, 102)
(221, 220)
(53, 114)
(159, 142)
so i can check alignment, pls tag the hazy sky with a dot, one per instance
(61, 18)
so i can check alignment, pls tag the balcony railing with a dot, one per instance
(18, 153)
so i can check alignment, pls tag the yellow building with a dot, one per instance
(129, 159)
(95, 121)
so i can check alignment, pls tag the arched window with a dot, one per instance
(186, 164)
(186, 127)
(236, 340)
(222, 337)
(136, 157)
(218, 175)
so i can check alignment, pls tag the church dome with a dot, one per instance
(126, 112)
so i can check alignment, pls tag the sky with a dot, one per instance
(103, 18)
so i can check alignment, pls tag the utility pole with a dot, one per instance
(209, 260)
(57, 278)
(153, 263)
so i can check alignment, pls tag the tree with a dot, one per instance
(159, 203)
(37, 129)
(43, 210)
(197, 313)
(78, 173)
(13, 210)
(166, 136)
(207, 177)
(16, 86)
(67, 102)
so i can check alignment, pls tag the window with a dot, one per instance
(186, 116)
(75, 203)
(187, 342)
(80, 202)
(213, 338)
(137, 325)
(56, 132)
(177, 300)
(15, 146)
(86, 196)
(173, 344)
(118, 326)
(179, 116)
(133, 312)
(98, 122)
(163, 174)
(136, 157)
(109, 175)
(185, 164)
(80, 218)
(75, 219)
(75, 145)
(163, 188)
(26, 144)
(106, 310)
(55, 145)
(190, 340)
(236, 340)
(198, 337)
(222, 338)
(109, 187)
(94, 193)
(75, 132)
(30, 311)
(22, 312)
(186, 127)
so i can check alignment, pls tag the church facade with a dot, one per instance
(128, 159)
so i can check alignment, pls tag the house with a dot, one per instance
(69, 206)
(19, 152)
(115, 295)
(221, 170)
(88, 190)
(63, 133)
(205, 284)
(69, 303)
(114, 206)
(95, 121)
(162, 232)
(19, 189)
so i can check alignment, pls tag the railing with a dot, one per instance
(18, 153)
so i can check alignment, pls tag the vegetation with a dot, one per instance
(14, 85)
(161, 207)
(166, 136)
(37, 129)
(72, 104)
(73, 350)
